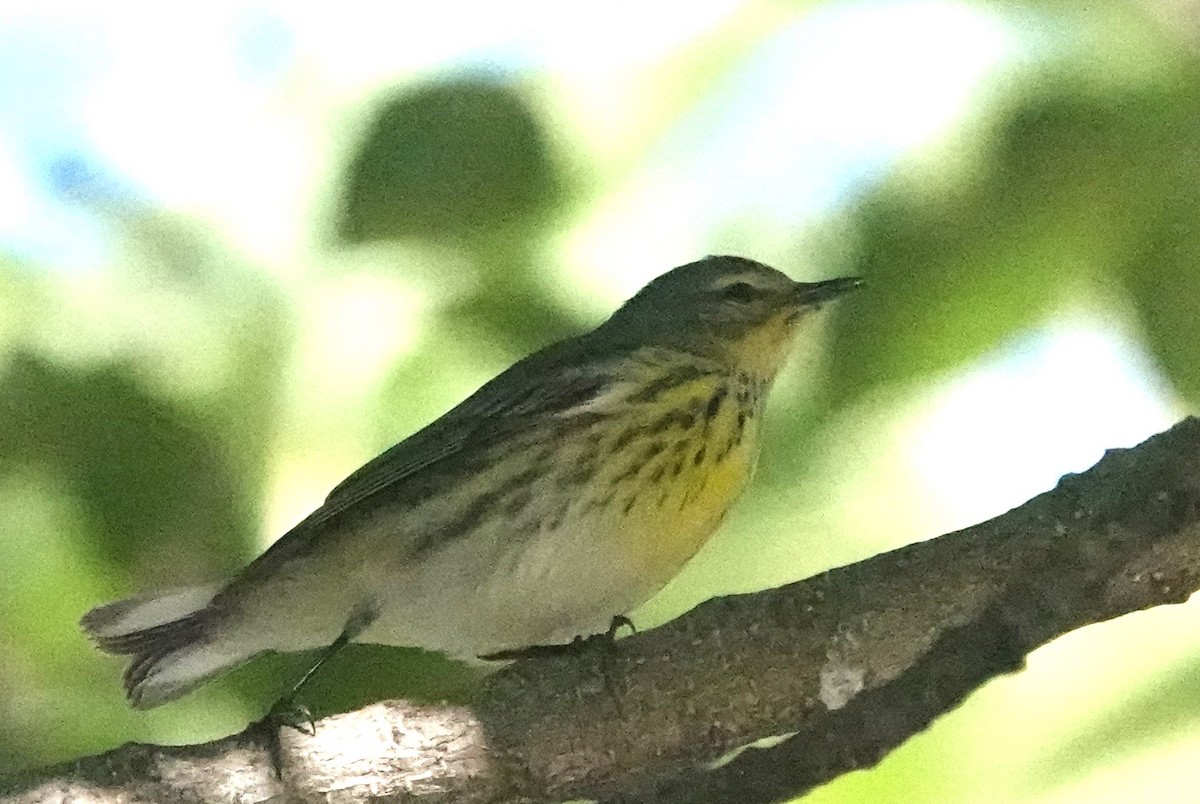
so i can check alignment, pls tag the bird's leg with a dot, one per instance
(287, 712)
(606, 642)
(619, 621)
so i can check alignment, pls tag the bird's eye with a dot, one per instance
(739, 292)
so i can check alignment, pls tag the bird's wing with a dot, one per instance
(548, 381)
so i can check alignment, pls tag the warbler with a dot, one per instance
(562, 494)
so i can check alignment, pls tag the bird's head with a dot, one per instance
(735, 310)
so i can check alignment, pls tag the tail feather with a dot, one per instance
(155, 639)
(112, 623)
(168, 637)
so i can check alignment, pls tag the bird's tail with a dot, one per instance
(168, 637)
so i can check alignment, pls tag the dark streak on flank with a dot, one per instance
(625, 438)
(629, 504)
(651, 390)
(568, 392)
(517, 502)
(734, 439)
(698, 458)
(588, 451)
(678, 467)
(629, 473)
(461, 526)
(651, 451)
(573, 480)
(714, 404)
(676, 418)
(544, 459)
(556, 519)
(583, 471)
(519, 481)
(602, 501)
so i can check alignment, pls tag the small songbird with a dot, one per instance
(559, 496)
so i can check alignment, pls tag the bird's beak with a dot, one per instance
(814, 294)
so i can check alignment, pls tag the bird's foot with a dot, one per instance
(602, 646)
(284, 713)
(578, 646)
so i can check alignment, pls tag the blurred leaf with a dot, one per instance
(948, 280)
(357, 676)
(363, 674)
(1165, 706)
(1164, 280)
(1132, 159)
(447, 160)
(44, 586)
(1162, 270)
(180, 261)
(1076, 179)
(157, 481)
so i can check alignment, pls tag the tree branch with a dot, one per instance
(852, 661)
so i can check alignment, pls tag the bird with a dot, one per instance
(545, 507)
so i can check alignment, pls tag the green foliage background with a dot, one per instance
(1072, 184)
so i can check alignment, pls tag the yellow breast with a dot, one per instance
(680, 472)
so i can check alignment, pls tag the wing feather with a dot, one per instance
(545, 382)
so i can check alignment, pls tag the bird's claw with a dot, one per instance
(293, 715)
(284, 713)
(578, 646)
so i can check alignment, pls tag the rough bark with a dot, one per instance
(852, 661)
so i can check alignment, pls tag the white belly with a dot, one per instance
(517, 585)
